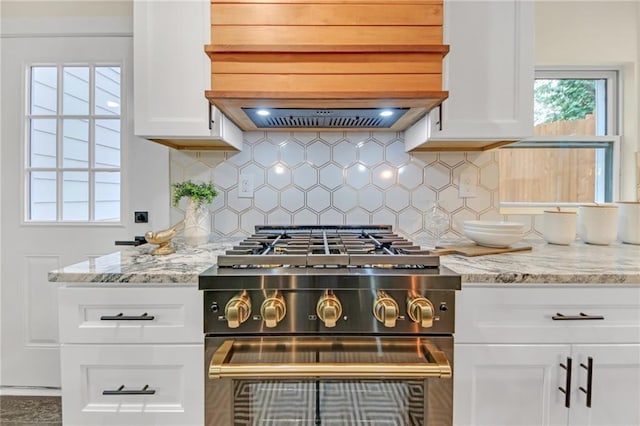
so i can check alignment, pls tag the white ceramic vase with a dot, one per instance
(197, 224)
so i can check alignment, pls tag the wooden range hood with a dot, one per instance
(321, 55)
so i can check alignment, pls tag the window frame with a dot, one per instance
(59, 169)
(611, 139)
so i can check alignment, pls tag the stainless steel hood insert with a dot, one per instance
(309, 118)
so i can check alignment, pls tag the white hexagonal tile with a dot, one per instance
(331, 217)
(437, 176)
(305, 176)
(292, 199)
(279, 217)
(211, 158)
(265, 153)
(395, 153)
(451, 159)
(448, 199)
(458, 218)
(332, 137)
(291, 153)
(318, 199)
(385, 216)
(236, 203)
(279, 176)
(423, 198)
(384, 176)
(220, 201)
(318, 153)
(410, 221)
(397, 198)
(425, 157)
(278, 138)
(357, 176)
(265, 199)
(240, 158)
(344, 153)
(305, 138)
(256, 172)
(490, 176)
(254, 137)
(305, 217)
(358, 138)
(250, 219)
(370, 153)
(331, 176)
(481, 202)
(225, 222)
(199, 172)
(370, 198)
(345, 198)
(492, 215)
(480, 159)
(225, 175)
(358, 216)
(182, 158)
(410, 176)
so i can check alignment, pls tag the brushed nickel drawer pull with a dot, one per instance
(567, 386)
(582, 316)
(123, 317)
(122, 391)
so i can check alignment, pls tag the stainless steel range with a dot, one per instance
(328, 325)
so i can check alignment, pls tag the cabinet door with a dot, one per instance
(488, 71)
(615, 385)
(509, 385)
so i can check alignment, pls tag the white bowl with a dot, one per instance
(491, 224)
(493, 230)
(489, 239)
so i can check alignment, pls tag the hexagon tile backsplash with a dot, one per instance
(339, 178)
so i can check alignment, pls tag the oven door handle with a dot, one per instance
(437, 366)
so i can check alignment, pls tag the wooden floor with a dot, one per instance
(30, 411)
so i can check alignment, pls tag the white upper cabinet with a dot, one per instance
(489, 73)
(171, 74)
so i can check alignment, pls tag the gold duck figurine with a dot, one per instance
(163, 239)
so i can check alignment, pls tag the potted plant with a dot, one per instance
(197, 223)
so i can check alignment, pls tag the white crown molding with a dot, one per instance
(76, 26)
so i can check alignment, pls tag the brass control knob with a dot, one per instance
(329, 309)
(385, 309)
(420, 310)
(273, 309)
(238, 309)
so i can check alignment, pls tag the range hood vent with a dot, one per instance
(311, 118)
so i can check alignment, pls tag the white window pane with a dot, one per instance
(107, 91)
(75, 196)
(43, 142)
(107, 189)
(42, 196)
(75, 143)
(107, 136)
(75, 90)
(44, 84)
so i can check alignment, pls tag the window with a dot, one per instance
(572, 157)
(74, 143)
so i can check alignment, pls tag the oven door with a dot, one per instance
(329, 381)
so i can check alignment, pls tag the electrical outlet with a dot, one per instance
(141, 217)
(245, 186)
(467, 185)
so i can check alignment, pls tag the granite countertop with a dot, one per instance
(545, 263)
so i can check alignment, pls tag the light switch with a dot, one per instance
(245, 186)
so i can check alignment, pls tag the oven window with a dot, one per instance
(344, 402)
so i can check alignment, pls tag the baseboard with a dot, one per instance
(29, 391)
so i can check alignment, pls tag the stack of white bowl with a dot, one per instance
(493, 233)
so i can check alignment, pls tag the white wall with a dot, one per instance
(597, 33)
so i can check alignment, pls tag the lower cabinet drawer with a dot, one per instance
(132, 385)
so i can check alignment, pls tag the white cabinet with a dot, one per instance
(513, 351)
(489, 73)
(131, 355)
(171, 74)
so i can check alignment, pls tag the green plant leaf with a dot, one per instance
(200, 193)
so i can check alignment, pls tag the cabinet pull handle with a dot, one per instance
(440, 108)
(210, 117)
(589, 368)
(123, 317)
(122, 391)
(582, 316)
(567, 386)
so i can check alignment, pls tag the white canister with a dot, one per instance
(629, 221)
(559, 227)
(598, 224)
